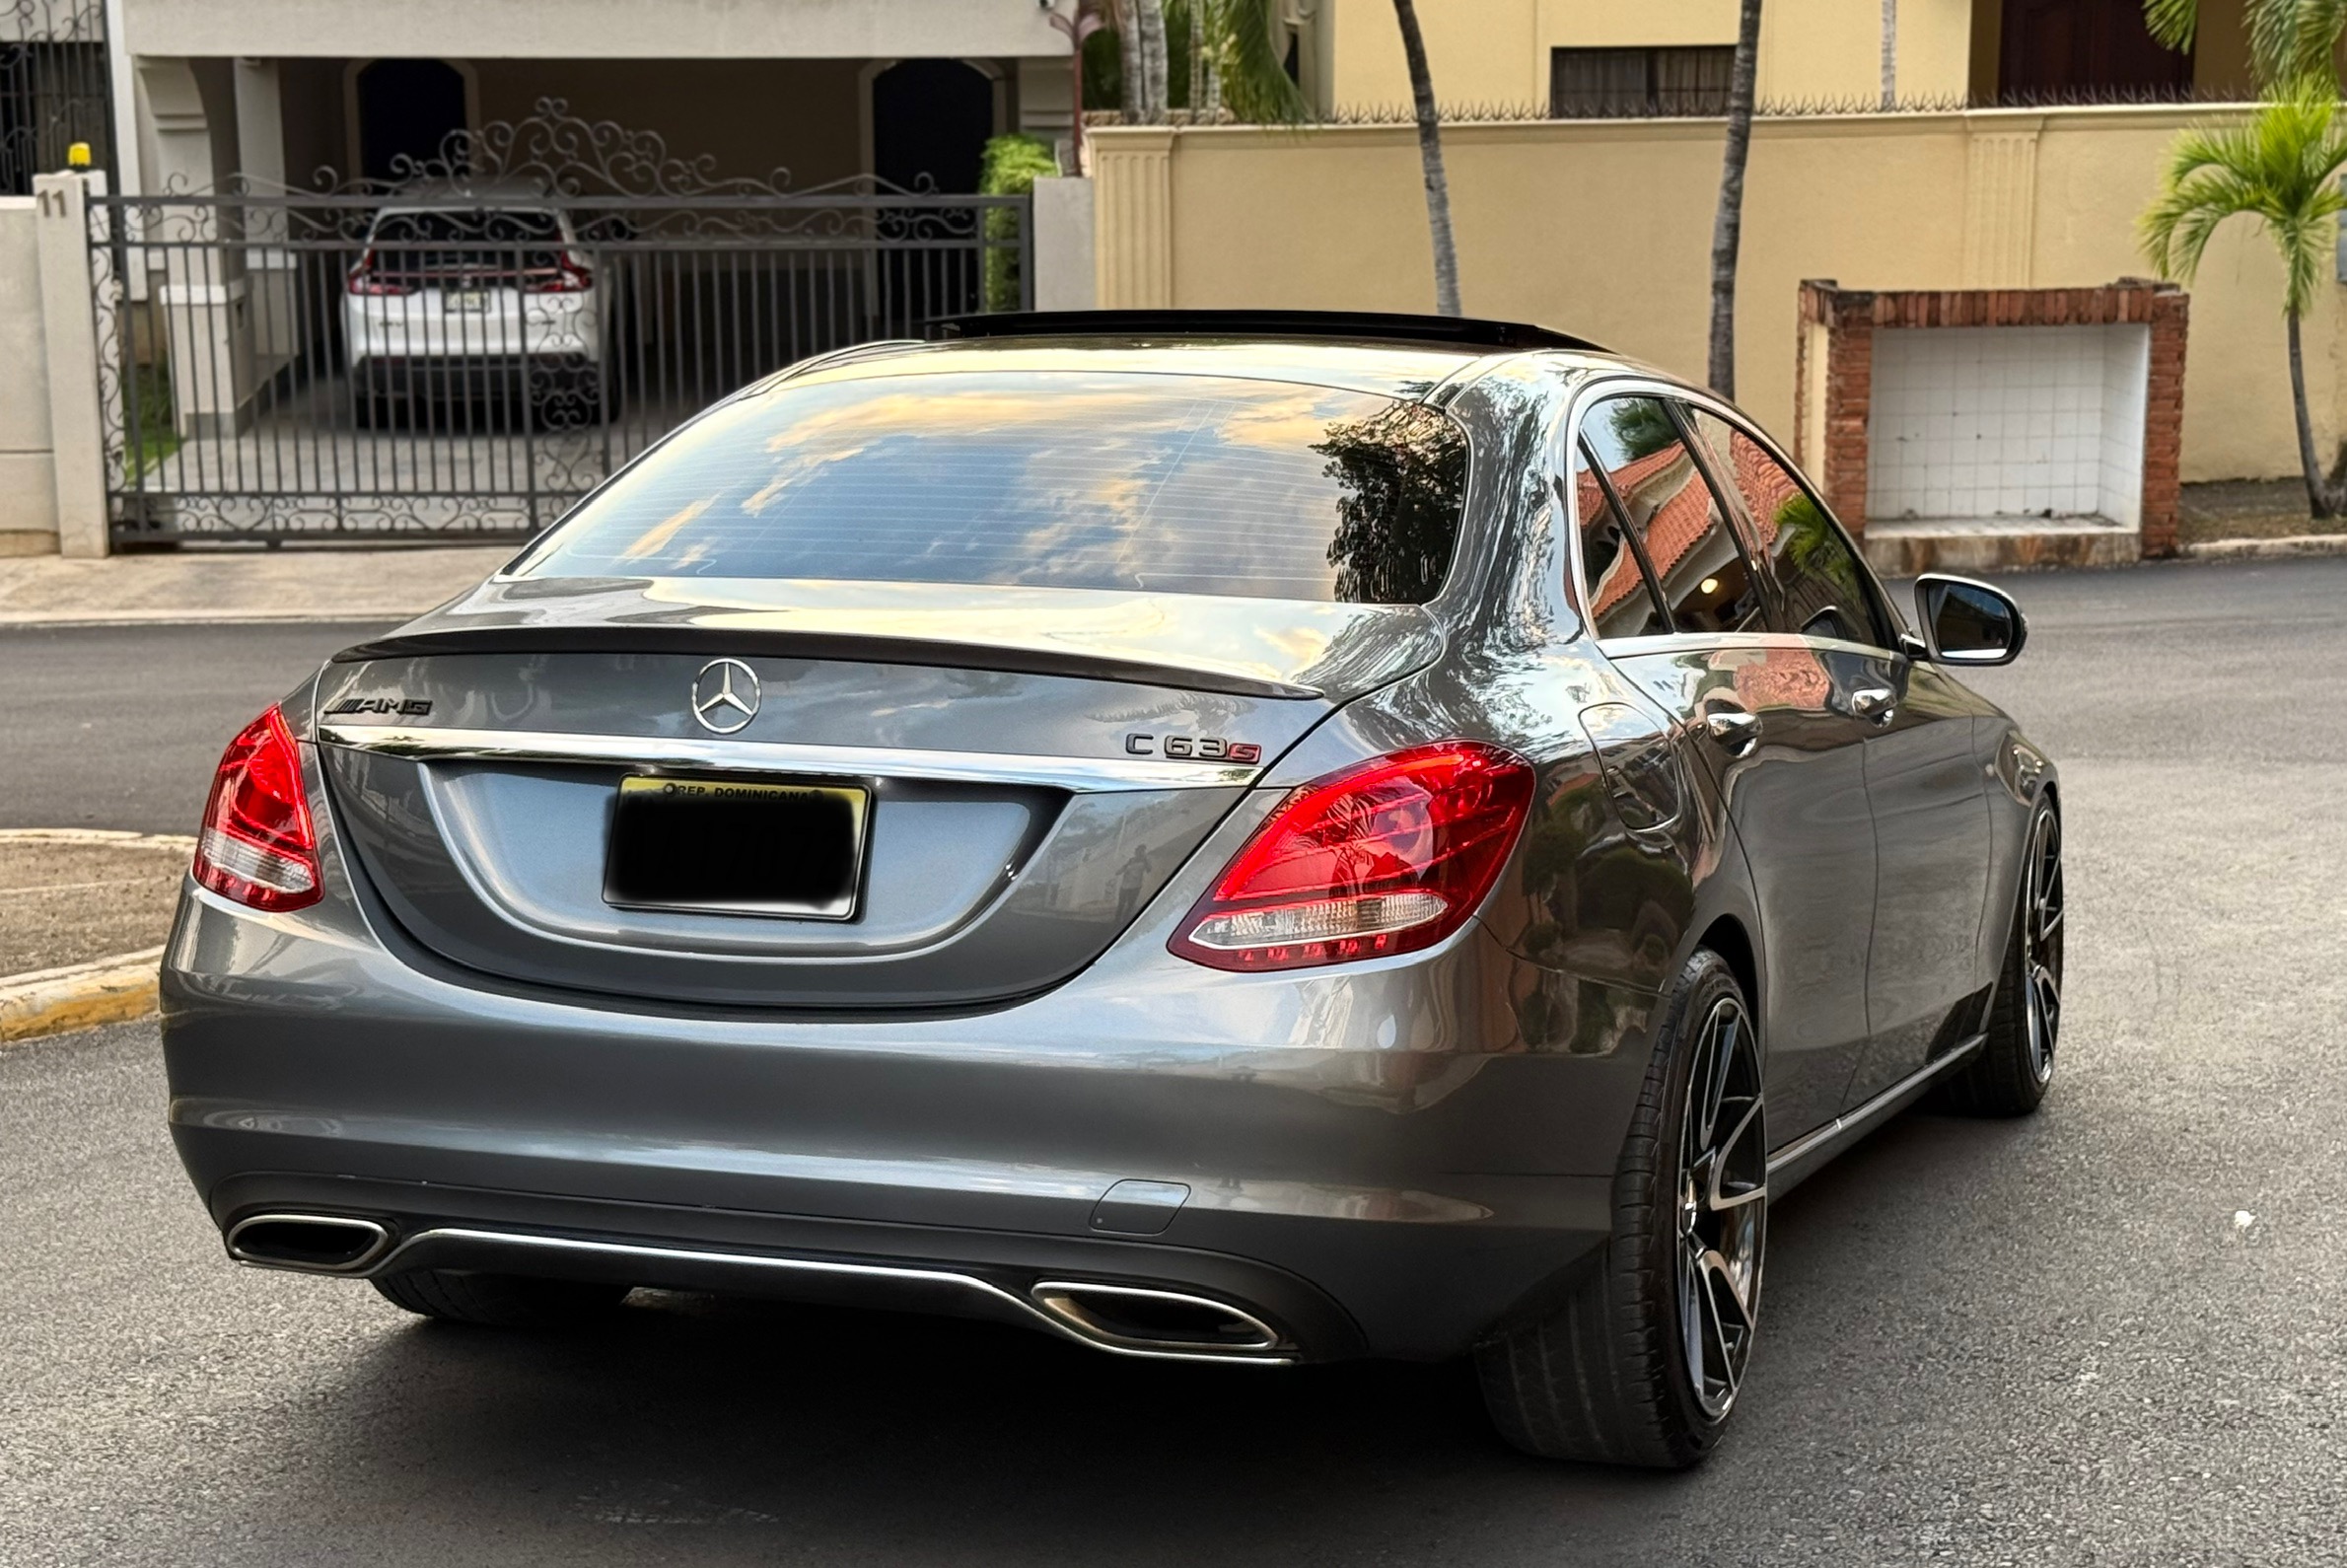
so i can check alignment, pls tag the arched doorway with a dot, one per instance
(406, 111)
(930, 120)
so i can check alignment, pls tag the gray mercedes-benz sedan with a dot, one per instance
(1244, 838)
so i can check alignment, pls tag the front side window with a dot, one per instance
(1818, 573)
(1183, 484)
(1683, 530)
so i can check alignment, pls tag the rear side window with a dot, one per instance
(1621, 602)
(1681, 526)
(1825, 591)
(1181, 485)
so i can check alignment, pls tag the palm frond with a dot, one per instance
(2281, 166)
(1255, 80)
(2292, 42)
(2172, 23)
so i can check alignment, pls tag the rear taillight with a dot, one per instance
(258, 846)
(1387, 857)
(364, 279)
(565, 277)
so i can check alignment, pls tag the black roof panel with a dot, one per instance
(1459, 332)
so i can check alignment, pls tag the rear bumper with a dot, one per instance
(1374, 1162)
(473, 375)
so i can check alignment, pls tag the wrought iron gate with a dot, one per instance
(469, 350)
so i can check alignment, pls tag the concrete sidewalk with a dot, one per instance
(331, 582)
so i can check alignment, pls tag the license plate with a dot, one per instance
(471, 302)
(738, 846)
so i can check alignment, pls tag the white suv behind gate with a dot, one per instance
(455, 300)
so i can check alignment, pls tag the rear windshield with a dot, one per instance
(435, 243)
(1183, 484)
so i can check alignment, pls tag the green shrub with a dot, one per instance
(1011, 167)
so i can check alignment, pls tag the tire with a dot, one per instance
(2010, 1076)
(1639, 1361)
(498, 1301)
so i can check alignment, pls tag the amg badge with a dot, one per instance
(405, 707)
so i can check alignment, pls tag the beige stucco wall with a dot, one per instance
(28, 479)
(1604, 230)
(1496, 51)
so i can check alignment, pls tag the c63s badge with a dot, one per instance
(402, 707)
(1182, 747)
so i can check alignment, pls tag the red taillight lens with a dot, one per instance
(257, 846)
(565, 277)
(364, 279)
(1387, 857)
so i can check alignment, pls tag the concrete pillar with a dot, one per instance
(1046, 102)
(1133, 233)
(1064, 267)
(208, 320)
(178, 131)
(71, 312)
(261, 171)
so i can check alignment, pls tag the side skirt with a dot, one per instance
(1790, 1166)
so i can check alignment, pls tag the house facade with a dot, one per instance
(802, 93)
(1582, 58)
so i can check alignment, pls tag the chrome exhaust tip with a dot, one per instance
(1131, 1317)
(313, 1244)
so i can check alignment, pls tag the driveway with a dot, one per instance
(2109, 1334)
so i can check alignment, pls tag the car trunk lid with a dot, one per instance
(1037, 765)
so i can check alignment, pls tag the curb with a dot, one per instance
(361, 616)
(2266, 549)
(79, 996)
(119, 838)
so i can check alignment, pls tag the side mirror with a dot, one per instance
(1969, 623)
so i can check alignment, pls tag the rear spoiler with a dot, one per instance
(804, 644)
(1342, 326)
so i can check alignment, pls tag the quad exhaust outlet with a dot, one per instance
(315, 1243)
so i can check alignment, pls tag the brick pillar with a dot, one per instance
(1833, 393)
(2163, 419)
(1849, 403)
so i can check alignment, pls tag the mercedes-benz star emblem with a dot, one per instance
(725, 696)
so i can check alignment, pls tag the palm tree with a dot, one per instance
(1727, 230)
(1430, 159)
(2289, 40)
(2280, 167)
(1242, 64)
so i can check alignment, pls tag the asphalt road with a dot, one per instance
(121, 726)
(2109, 1334)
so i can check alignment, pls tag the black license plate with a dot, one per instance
(738, 846)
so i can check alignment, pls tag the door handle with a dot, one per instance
(1736, 731)
(1875, 703)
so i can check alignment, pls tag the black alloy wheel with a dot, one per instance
(1723, 1207)
(2041, 942)
(1641, 1359)
(2016, 1063)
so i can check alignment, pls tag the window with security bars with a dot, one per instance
(51, 96)
(1630, 83)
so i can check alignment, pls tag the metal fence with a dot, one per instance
(470, 352)
(54, 87)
